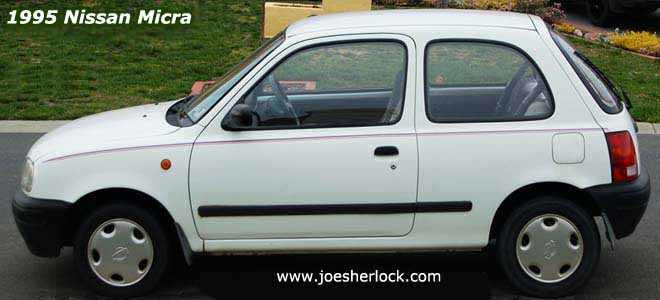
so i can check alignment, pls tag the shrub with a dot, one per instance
(564, 27)
(551, 14)
(528, 6)
(492, 4)
(642, 41)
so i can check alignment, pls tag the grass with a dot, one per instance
(68, 71)
(639, 76)
(50, 72)
(347, 66)
(478, 63)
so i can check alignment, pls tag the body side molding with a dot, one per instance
(332, 209)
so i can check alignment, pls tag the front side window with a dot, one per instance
(483, 82)
(600, 87)
(336, 85)
(200, 105)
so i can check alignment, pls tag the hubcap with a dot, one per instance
(120, 252)
(596, 8)
(549, 248)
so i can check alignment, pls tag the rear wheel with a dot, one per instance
(548, 247)
(599, 12)
(121, 251)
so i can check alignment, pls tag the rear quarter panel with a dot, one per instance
(486, 162)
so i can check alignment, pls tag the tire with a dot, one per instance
(573, 229)
(599, 12)
(108, 229)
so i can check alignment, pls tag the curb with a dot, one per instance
(648, 128)
(29, 126)
(46, 126)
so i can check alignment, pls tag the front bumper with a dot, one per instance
(623, 204)
(41, 222)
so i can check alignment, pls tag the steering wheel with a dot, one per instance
(503, 102)
(282, 98)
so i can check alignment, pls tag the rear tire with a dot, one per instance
(556, 240)
(121, 250)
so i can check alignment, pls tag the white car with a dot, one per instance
(407, 130)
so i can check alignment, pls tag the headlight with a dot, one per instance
(28, 174)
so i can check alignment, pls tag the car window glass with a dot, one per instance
(201, 104)
(335, 85)
(604, 96)
(481, 82)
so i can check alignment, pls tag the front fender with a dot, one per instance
(71, 178)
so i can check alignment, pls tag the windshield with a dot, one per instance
(598, 84)
(200, 105)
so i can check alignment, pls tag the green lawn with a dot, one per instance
(64, 72)
(639, 76)
(68, 71)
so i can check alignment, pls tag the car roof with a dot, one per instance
(411, 17)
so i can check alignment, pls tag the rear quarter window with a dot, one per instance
(590, 76)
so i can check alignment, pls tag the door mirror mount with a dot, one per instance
(239, 117)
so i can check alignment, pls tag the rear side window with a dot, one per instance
(596, 82)
(483, 82)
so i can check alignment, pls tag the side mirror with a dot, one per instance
(239, 117)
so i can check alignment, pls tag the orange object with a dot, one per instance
(166, 164)
(291, 85)
(200, 86)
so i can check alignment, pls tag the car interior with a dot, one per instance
(525, 96)
(319, 108)
(467, 86)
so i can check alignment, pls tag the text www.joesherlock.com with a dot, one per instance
(351, 276)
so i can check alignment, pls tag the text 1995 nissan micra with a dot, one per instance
(376, 131)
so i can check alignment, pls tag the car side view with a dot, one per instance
(409, 130)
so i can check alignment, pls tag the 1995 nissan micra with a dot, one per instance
(373, 131)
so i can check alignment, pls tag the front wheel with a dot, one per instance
(599, 12)
(121, 251)
(548, 247)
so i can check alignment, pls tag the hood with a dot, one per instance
(92, 132)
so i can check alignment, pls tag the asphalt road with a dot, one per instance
(577, 14)
(629, 272)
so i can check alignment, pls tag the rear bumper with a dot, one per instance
(623, 204)
(41, 222)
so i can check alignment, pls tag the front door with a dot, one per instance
(328, 148)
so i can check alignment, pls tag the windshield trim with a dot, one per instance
(583, 78)
(277, 41)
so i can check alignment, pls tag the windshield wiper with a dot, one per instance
(614, 87)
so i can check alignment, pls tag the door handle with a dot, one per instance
(386, 151)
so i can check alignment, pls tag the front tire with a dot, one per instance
(121, 251)
(599, 12)
(548, 247)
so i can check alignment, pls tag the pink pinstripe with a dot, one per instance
(275, 140)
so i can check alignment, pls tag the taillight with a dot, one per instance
(622, 156)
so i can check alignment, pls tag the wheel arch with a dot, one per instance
(93, 200)
(528, 192)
